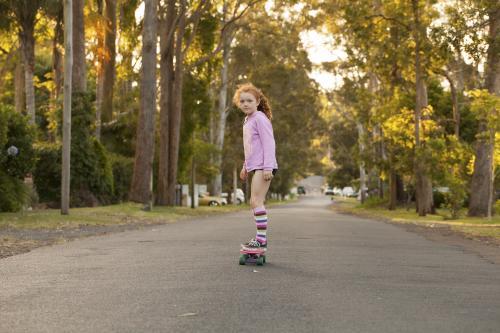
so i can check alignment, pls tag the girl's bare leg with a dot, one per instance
(258, 195)
(258, 190)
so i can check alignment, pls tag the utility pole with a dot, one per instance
(68, 68)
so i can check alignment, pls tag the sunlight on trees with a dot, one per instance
(395, 98)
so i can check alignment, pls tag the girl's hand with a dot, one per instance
(243, 174)
(268, 175)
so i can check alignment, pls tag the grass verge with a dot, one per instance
(471, 227)
(126, 213)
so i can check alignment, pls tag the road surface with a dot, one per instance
(326, 273)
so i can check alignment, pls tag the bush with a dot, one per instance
(16, 164)
(375, 202)
(47, 174)
(13, 193)
(455, 198)
(91, 170)
(439, 199)
(123, 168)
(91, 173)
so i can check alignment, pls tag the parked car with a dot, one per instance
(354, 195)
(348, 191)
(204, 199)
(240, 196)
(329, 191)
(301, 190)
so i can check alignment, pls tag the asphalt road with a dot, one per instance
(325, 273)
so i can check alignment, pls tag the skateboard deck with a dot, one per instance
(257, 256)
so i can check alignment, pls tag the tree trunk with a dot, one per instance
(193, 180)
(401, 189)
(144, 151)
(57, 56)
(423, 184)
(99, 70)
(455, 106)
(481, 192)
(19, 84)
(222, 114)
(57, 67)
(109, 60)
(362, 171)
(68, 64)
(393, 190)
(124, 50)
(212, 129)
(175, 114)
(166, 88)
(79, 69)
(27, 38)
(235, 184)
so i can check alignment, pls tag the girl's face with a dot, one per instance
(248, 103)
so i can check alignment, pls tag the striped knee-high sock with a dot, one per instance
(260, 216)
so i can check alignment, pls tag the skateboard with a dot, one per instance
(257, 256)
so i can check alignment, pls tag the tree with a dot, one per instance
(68, 64)
(106, 70)
(79, 77)
(178, 30)
(481, 192)
(144, 153)
(25, 12)
(423, 184)
(227, 36)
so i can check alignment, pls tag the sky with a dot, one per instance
(320, 48)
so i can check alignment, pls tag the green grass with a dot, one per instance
(469, 225)
(105, 215)
(125, 213)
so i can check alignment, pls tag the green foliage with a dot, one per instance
(453, 160)
(195, 119)
(119, 137)
(13, 193)
(438, 198)
(14, 131)
(91, 172)
(486, 107)
(122, 176)
(375, 202)
(91, 169)
(47, 174)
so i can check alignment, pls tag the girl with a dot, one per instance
(260, 154)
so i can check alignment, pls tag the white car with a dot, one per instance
(347, 191)
(240, 196)
(329, 191)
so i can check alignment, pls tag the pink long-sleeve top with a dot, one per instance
(258, 140)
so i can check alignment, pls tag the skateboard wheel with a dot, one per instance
(260, 261)
(243, 259)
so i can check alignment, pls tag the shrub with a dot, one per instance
(47, 174)
(439, 199)
(455, 198)
(91, 171)
(15, 163)
(13, 193)
(375, 202)
(123, 168)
